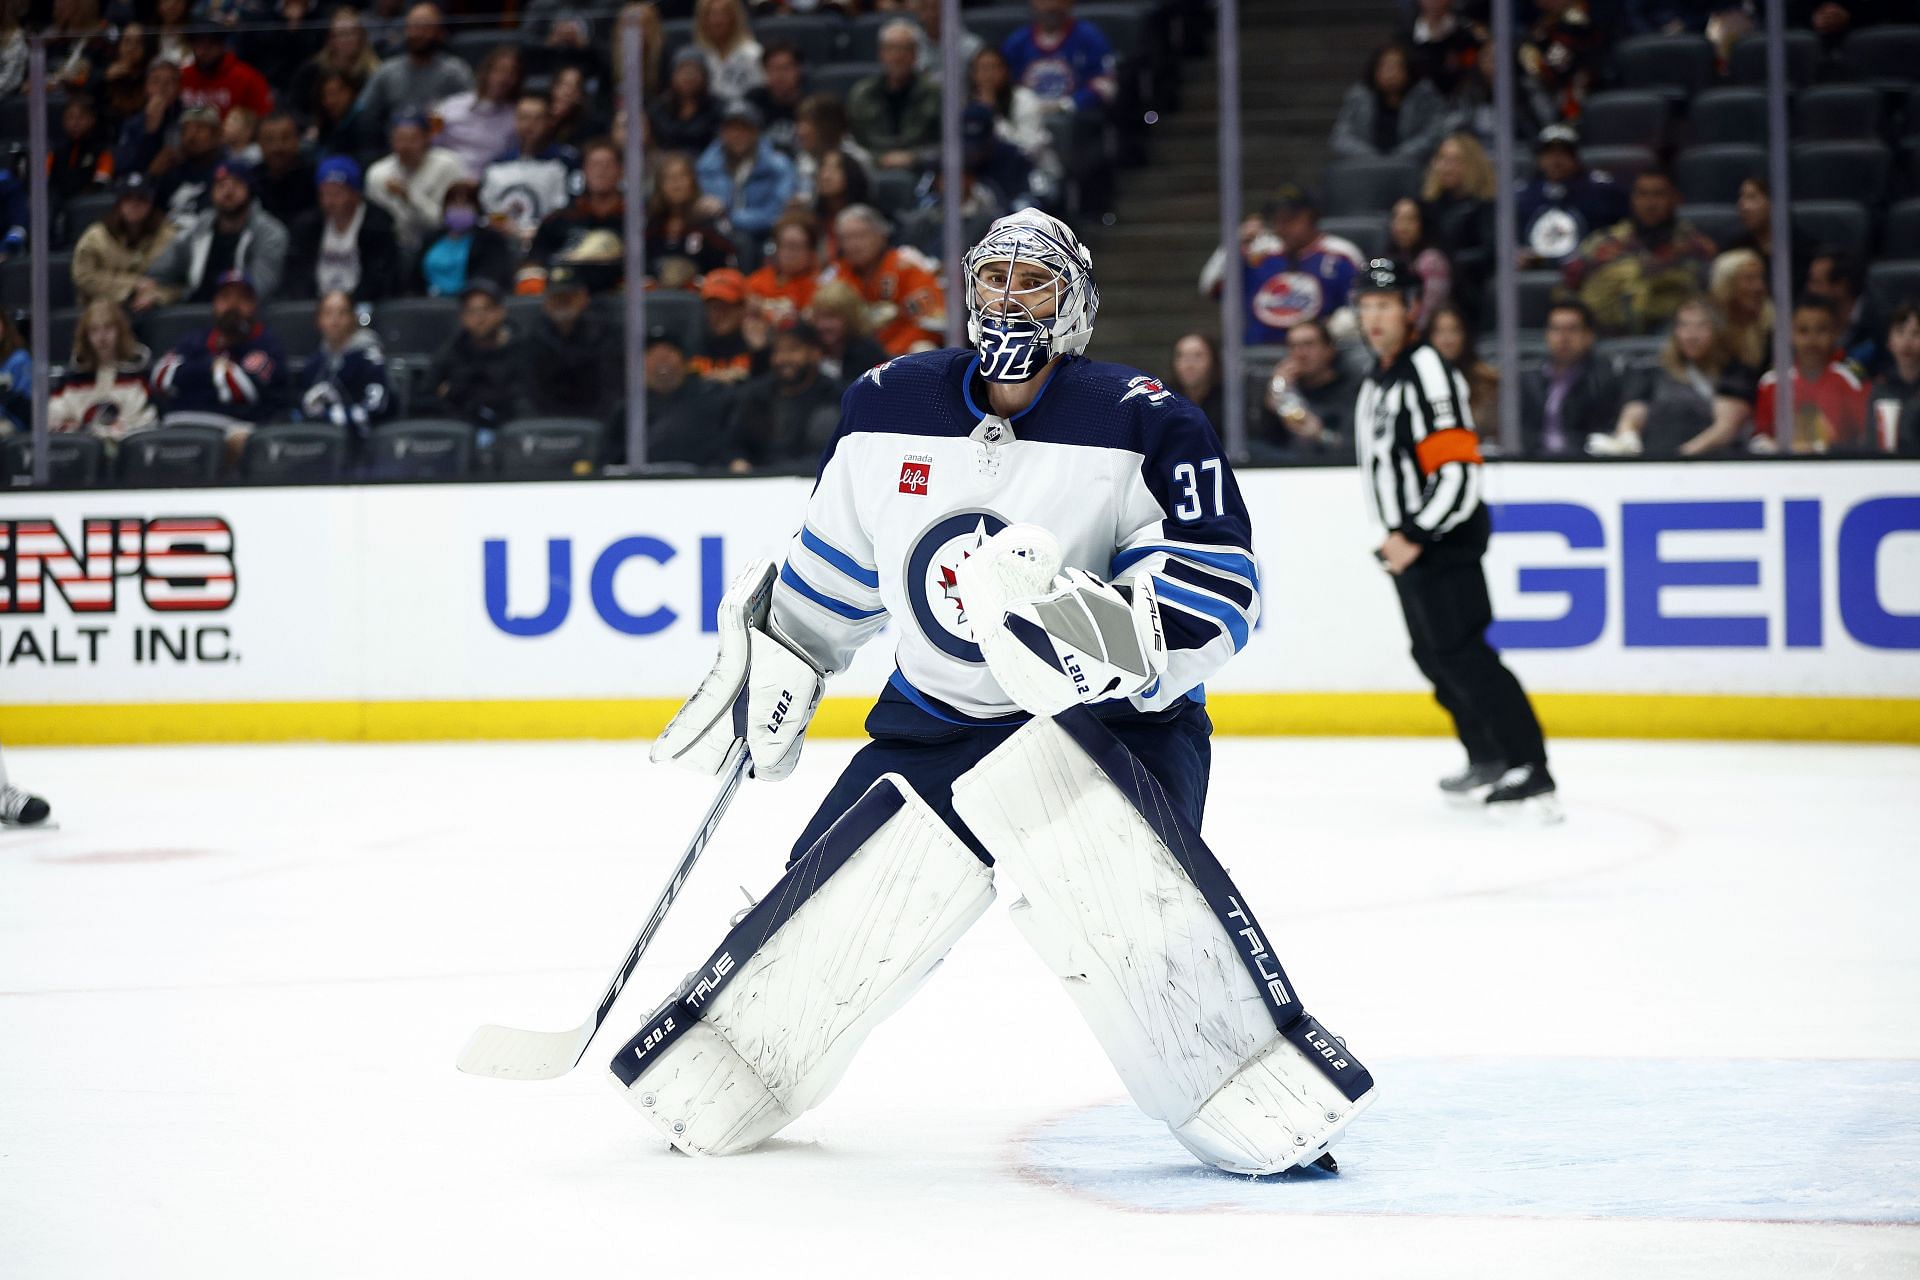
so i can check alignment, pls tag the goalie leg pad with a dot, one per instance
(1158, 950)
(764, 1031)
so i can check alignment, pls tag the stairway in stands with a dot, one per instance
(1296, 59)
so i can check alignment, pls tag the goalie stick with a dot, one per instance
(512, 1054)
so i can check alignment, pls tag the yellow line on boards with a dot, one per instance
(1571, 715)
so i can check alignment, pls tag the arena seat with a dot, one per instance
(421, 449)
(1535, 291)
(1719, 223)
(549, 448)
(838, 78)
(416, 325)
(1902, 236)
(80, 212)
(170, 456)
(292, 321)
(164, 328)
(1748, 65)
(860, 41)
(1887, 54)
(1713, 174)
(891, 190)
(995, 23)
(75, 459)
(472, 44)
(1624, 163)
(820, 37)
(1837, 113)
(1624, 118)
(1368, 231)
(1679, 66)
(1892, 281)
(1722, 116)
(295, 453)
(16, 281)
(1368, 186)
(1841, 222)
(1858, 168)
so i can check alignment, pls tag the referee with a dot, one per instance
(1420, 462)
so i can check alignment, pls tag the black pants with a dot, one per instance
(1444, 598)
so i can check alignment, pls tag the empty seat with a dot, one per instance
(1728, 116)
(838, 78)
(523, 313)
(1713, 174)
(164, 328)
(1837, 113)
(1367, 231)
(417, 325)
(1624, 118)
(1679, 66)
(1858, 169)
(678, 310)
(294, 323)
(1749, 62)
(549, 448)
(421, 449)
(296, 453)
(1902, 239)
(1535, 289)
(60, 327)
(81, 212)
(1122, 23)
(1719, 223)
(1369, 186)
(16, 281)
(1894, 281)
(1624, 163)
(1640, 352)
(75, 459)
(892, 191)
(1837, 222)
(821, 38)
(861, 41)
(994, 24)
(171, 456)
(1888, 53)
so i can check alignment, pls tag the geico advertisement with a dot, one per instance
(1788, 578)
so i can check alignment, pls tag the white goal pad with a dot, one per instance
(1156, 947)
(764, 1031)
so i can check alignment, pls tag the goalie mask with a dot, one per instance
(1016, 323)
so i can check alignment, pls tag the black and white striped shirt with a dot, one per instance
(1419, 456)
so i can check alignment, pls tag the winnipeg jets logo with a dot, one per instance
(933, 575)
(1145, 386)
(873, 375)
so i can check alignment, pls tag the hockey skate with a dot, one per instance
(19, 809)
(1470, 785)
(1526, 791)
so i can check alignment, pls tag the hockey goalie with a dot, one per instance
(1066, 558)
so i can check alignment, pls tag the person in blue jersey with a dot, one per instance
(1065, 559)
(948, 455)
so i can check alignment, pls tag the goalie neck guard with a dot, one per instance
(1013, 343)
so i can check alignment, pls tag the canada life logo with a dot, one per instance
(916, 475)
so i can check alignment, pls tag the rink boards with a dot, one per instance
(1776, 600)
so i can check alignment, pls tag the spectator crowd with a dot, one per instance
(280, 213)
(1644, 239)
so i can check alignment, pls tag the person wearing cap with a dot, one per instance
(895, 115)
(599, 207)
(184, 172)
(745, 175)
(467, 249)
(905, 302)
(689, 419)
(571, 357)
(415, 79)
(725, 353)
(479, 375)
(1290, 269)
(411, 181)
(234, 234)
(115, 252)
(785, 417)
(1421, 469)
(236, 370)
(1564, 202)
(346, 245)
(217, 77)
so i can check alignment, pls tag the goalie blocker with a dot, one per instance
(1123, 901)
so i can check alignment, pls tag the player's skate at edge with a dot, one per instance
(1067, 555)
(20, 808)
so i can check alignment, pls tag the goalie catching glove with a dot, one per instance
(762, 688)
(1055, 637)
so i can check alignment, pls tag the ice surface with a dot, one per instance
(1675, 1036)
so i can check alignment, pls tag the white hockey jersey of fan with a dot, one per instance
(1127, 475)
